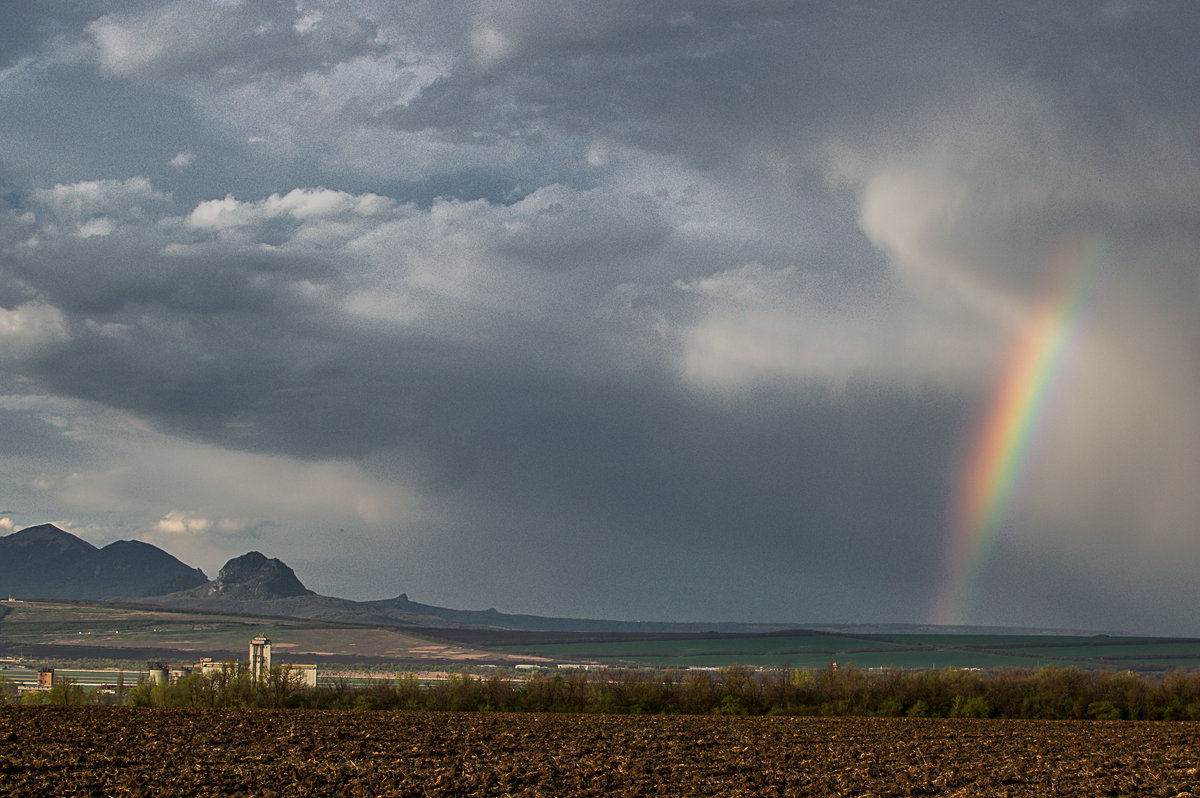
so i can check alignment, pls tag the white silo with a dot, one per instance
(260, 659)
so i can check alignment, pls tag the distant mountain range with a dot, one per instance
(493, 619)
(46, 562)
(49, 563)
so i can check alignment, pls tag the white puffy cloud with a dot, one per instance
(183, 522)
(30, 329)
(298, 204)
(92, 199)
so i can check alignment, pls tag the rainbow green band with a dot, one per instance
(1014, 423)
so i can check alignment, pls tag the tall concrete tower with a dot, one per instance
(260, 659)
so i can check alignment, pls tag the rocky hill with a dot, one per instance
(255, 577)
(257, 585)
(46, 562)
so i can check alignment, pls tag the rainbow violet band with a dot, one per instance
(1016, 418)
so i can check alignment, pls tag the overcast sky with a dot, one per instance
(642, 310)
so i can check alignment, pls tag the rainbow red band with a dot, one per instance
(1000, 453)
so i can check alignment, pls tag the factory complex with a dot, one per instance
(32, 679)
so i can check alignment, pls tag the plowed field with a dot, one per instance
(124, 751)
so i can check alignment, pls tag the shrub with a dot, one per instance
(730, 705)
(8, 691)
(975, 706)
(1046, 693)
(919, 710)
(1103, 710)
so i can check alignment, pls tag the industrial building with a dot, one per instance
(260, 659)
(259, 667)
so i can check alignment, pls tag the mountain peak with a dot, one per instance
(49, 537)
(255, 576)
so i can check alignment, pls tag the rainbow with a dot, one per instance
(1002, 444)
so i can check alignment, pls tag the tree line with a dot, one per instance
(1047, 693)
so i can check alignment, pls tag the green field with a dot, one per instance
(107, 635)
(86, 626)
(924, 651)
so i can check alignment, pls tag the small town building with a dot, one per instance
(307, 674)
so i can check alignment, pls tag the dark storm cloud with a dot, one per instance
(666, 310)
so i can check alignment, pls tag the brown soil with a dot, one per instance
(125, 751)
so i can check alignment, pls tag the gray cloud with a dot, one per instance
(679, 310)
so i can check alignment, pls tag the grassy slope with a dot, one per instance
(42, 628)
